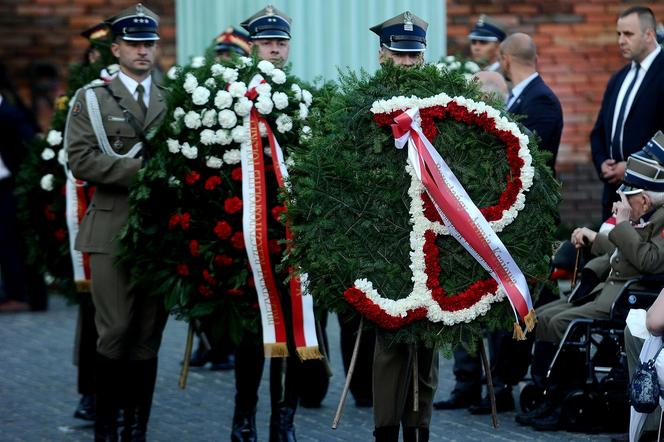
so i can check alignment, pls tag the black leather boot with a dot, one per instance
(409, 434)
(107, 402)
(144, 378)
(244, 426)
(249, 361)
(386, 434)
(284, 395)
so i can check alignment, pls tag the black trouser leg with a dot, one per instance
(138, 399)
(249, 361)
(284, 397)
(109, 380)
(87, 347)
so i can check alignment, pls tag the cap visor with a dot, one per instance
(272, 33)
(405, 46)
(141, 36)
(629, 190)
(482, 36)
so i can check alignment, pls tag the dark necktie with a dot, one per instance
(616, 143)
(141, 103)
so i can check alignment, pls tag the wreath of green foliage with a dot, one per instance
(350, 211)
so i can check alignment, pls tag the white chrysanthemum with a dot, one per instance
(223, 100)
(47, 154)
(217, 70)
(54, 137)
(266, 67)
(190, 152)
(224, 137)
(192, 120)
(173, 145)
(239, 134)
(178, 113)
(303, 113)
(197, 62)
(280, 100)
(209, 117)
(243, 106)
(278, 76)
(284, 123)
(46, 182)
(230, 75)
(232, 156)
(245, 62)
(297, 90)
(62, 156)
(264, 104)
(227, 119)
(190, 83)
(263, 89)
(201, 95)
(305, 132)
(471, 66)
(173, 73)
(208, 137)
(307, 97)
(210, 83)
(237, 89)
(214, 162)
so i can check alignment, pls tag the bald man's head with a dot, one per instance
(521, 48)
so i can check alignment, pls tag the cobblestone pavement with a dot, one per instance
(38, 394)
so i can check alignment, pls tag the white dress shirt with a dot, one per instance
(518, 89)
(131, 85)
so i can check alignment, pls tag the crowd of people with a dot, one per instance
(120, 332)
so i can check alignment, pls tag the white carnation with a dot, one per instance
(279, 76)
(223, 100)
(178, 113)
(208, 137)
(47, 154)
(192, 120)
(265, 67)
(471, 66)
(173, 73)
(210, 83)
(224, 137)
(190, 152)
(214, 162)
(227, 119)
(237, 89)
(201, 95)
(230, 75)
(307, 97)
(62, 156)
(217, 69)
(264, 104)
(280, 100)
(304, 111)
(239, 134)
(197, 62)
(305, 133)
(297, 90)
(284, 123)
(173, 145)
(243, 106)
(263, 89)
(232, 156)
(245, 62)
(54, 137)
(209, 117)
(46, 182)
(190, 83)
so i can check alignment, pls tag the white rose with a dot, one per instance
(239, 134)
(265, 67)
(46, 182)
(297, 90)
(279, 76)
(284, 123)
(245, 62)
(280, 100)
(197, 62)
(230, 75)
(178, 113)
(173, 145)
(190, 83)
(243, 106)
(190, 152)
(263, 89)
(264, 104)
(172, 73)
(214, 162)
(208, 137)
(237, 89)
(47, 154)
(217, 69)
(210, 83)
(201, 95)
(227, 119)
(209, 118)
(192, 120)
(307, 97)
(62, 156)
(232, 156)
(304, 111)
(471, 66)
(223, 100)
(54, 137)
(224, 137)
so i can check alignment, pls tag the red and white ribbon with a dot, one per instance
(461, 216)
(76, 200)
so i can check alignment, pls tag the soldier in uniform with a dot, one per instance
(402, 41)
(106, 144)
(232, 41)
(485, 39)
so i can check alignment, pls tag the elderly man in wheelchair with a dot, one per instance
(632, 249)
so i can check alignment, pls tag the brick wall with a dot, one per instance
(577, 50)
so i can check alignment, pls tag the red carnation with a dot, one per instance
(209, 278)
(184, 221)
(233, 205)
(174, 221)
(223, 230)
(277, 211)
(49, 213)
(192, 177)
(236, 174)
(212, 182)
(235, 292)
(238, 240)
(60, 235)
(205, 291)
(183, 270)
(273, 246)
(222, 260)
(194, 248)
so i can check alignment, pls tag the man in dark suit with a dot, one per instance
(633, 104)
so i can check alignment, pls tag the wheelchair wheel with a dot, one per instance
(531, 396)
(583, 411)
